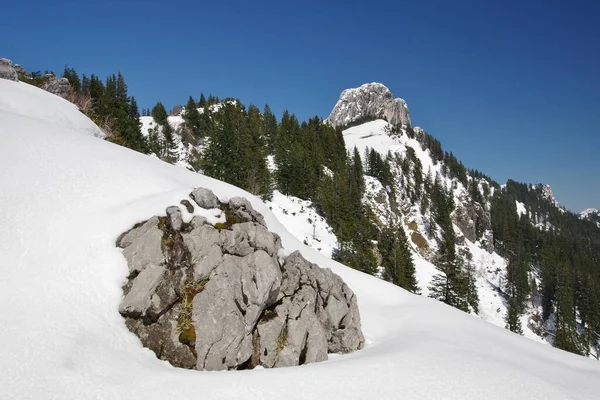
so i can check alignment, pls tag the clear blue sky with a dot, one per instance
(511, 87)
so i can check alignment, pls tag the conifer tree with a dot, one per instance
(512, 317)
(73, 79)
(164, 133)
(396, 259)
(193, 120)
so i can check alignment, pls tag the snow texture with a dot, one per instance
(65, 198)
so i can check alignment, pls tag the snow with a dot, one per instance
(65, 198)
(23, 99)
(302, 221)
(521, 210)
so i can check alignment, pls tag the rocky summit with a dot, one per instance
(369, 101)
(225, 296)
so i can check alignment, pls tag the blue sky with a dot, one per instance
(511, 87)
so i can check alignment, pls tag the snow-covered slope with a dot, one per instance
(26, 100)
(489, 266)
(65, 198)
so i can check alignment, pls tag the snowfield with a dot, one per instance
(65, 197)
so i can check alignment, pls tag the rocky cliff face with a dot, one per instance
(7, 71)
(371, 100)
(215, 297)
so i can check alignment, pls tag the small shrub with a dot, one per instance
(189, 290)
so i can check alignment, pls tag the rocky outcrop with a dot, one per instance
(58, 86)
(7, 71)
(222, 297)
(22, 71)
(591, 214)
(370, 101)
(474, 221)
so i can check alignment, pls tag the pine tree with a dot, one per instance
(73, 79)
(202, 102)
(396, 259)
(269, 128)
(164, 134)
(193, 120)
(258, 177)
(512, 317)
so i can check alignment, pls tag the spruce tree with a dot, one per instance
(512, 317)
(396, 259)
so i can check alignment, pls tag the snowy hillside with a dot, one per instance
(489, 266)
(65, 198)
(183, 150)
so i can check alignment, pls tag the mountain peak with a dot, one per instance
(371, 100)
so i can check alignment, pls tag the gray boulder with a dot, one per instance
(174, 216)
(140, 297)
(7, 71)
(145, 249)
(244, 211)
(205, 198)
(217, 298)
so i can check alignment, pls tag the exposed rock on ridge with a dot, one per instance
(591, 214)
(7, 71)
(371, 100)
(221, 297)
(58, 86)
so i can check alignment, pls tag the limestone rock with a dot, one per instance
(205, 198)
(218, 298)
(139, 299)
(244, 210)
(7, 71)
(145, 249)
(174, 216)
(369, 101)
(204, 245)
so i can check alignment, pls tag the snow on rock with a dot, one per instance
(7, 71)
(548, 194)
(371, 100)
(65, 199)
(591, 214)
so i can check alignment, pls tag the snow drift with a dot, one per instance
(65, 198)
